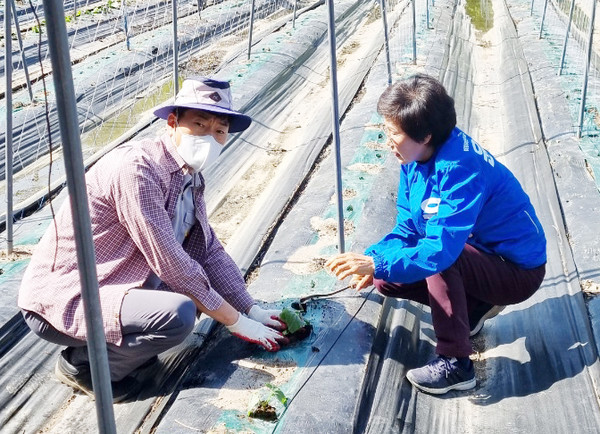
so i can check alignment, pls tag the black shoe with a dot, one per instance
(442, 375)
(126, 389)
(481, 314)
(79, 377)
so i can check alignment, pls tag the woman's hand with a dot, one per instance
(360, 267)
(360, 282)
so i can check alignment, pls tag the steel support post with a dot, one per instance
(9, 126)
(414, 31)
(175, 50)
(336, 126)
(386, 40)
(20, 40)
(427, 6)
(294, 16)
(71, 142)
(543, 18)
(587, 68)
(250, 30)
(126, 27)
(564, 50)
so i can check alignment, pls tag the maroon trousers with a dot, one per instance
(474, 278)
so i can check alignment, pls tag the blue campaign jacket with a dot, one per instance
(462, 194)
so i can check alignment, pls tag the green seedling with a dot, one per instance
(294, 321)
(38, 28)
(277, 393)
(263, 409)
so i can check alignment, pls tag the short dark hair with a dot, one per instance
(179, 112)
(420, 106)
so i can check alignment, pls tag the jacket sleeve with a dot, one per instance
(222, 271)
(404, 232)
(461, 199)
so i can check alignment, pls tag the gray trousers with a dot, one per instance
(151, 321)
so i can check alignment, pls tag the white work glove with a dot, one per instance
(253, 331)
(268, 317)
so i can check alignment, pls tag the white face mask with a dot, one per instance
(198, 151)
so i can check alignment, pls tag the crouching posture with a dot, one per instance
(467, 240)
(159, 262)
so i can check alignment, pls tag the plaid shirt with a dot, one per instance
(132, 195)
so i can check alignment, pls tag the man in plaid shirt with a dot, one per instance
(158, 260)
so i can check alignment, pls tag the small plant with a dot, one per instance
(297, 327)
(38, 28)
(293, 320)
(110, 4)
(277, 393)
(262, 409)
(70, 18)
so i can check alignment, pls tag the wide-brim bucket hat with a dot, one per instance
(203, 93)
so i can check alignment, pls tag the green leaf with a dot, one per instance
(292, 319)
(277, 393)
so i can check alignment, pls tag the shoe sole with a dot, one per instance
(488, 315)
(66, 380)
(465, 385)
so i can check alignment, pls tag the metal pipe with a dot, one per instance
(587, 69)
(175, 50)
(250, 31)
(427, 13)
(126, 27)
(20, 39)
(69, 132)
(414, 20)
(531, 10)
(200, 5)
(543, 18)
(386, 40)
(294, 16)
(9, 127)
(564, 50)
(336, 126)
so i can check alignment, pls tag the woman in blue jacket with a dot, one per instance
(467, 240)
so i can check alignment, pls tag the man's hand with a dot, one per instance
(253, 331)
(268, 317)
(360, 267)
